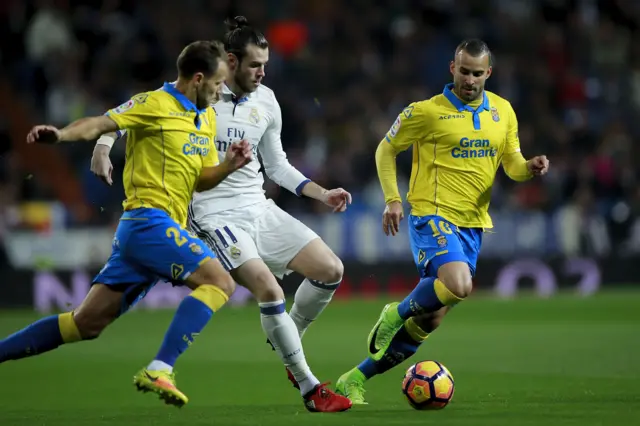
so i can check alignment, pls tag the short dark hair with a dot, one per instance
(200, 56)
(240, 34)
(475, 47)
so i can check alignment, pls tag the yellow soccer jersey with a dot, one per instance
(169, 142)
(457, 149)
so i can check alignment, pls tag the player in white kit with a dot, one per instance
(253, 238)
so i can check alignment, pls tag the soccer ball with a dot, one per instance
(428, 385)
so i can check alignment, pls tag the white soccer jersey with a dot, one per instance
(235, 219)
(257, 119)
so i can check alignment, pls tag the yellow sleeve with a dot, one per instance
(139, 112)
(513, 163)
(211, 159)
(408, 128)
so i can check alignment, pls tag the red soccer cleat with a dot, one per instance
(323, 400)
(292, 379)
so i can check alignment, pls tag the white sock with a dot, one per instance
(310, 300)
(159, 365)
(282, 332)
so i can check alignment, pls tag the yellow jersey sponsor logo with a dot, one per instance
(474, 148)
(197, 145)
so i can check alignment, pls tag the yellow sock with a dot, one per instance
(414, 330)
(445, 295)
(68, 328)
(210, 295)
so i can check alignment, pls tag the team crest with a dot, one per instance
(196, 249)
(141, 98)
(396, 126)
(442, 241)
(494, 114)
(235, 252)
(176, 270)
(254, 117)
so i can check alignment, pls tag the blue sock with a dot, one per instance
(368, 367)
(190, 318)
(402, 347)
(428, 296)
(41, 336)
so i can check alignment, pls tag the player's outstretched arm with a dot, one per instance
(238, 155)
(84, 129)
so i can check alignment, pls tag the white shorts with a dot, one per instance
(259, 231)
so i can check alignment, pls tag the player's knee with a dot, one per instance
(267, 288)
(457, 278)
(225, 283)
(212, 274)
(332, 269)
(460, 286)
(90, 325)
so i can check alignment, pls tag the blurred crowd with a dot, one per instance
(342, 70)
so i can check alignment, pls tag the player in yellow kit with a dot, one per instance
(459, 139)
(170, 153)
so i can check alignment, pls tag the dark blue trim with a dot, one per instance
(208, 240)
(300, 187)
(319, 284)
(461, 106)
(230, 234)
(223, 258)
(272, 310)
(170, 88)
(221, 238)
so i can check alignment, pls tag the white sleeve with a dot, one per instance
(275, 162)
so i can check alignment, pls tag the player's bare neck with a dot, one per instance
(235, 89)
(185, 88)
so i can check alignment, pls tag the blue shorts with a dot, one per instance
(436, 241)
(149, 246)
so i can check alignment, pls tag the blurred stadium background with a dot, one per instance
(342, 70)
(341, 73)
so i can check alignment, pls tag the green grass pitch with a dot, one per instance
(562, 361)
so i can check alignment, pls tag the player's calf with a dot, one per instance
(212, 286)
(430, 295)
(323, 271)
(404, 345)
(453, 284)
(96, 312)
(280, 329)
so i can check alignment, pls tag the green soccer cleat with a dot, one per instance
(351, 385)
(162, 383)
(382, 333)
